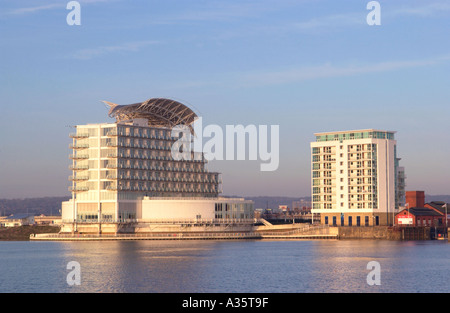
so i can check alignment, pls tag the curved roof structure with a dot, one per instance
(159, 112)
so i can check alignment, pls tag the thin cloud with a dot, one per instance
(227, 11)
(35, 9)
(427, 10)
(330, 71)
(51, 6)
(87, 54)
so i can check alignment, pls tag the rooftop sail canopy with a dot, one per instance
(159, 112)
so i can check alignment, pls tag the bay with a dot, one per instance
(241, 266)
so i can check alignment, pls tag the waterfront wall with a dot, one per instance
(376, 232)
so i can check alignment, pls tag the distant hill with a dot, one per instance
(37, 206)
(443, 198)
(272, 202)
(52, 205)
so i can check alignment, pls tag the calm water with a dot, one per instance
(225, 266)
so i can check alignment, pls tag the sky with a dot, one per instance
(306, 65)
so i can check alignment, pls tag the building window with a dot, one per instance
(349, 221)
(358, 221)
(334, 220)
(326, 220)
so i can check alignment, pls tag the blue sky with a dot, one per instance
(306, 65)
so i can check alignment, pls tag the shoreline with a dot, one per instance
(22, 233)
(52, 233)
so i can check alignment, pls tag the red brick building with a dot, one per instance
(440, 207)
(415, 199)
(420, 217)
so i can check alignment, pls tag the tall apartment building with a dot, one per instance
(356, 178)
(123, 174)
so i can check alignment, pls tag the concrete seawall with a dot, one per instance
(376, 232)
(285, 232)
(270, 233)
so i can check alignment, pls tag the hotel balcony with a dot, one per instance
(112, 144)
(78, 156)
(78, 178)
(78, 146)
(112, 133)
(78, 189)
(78, 167)
(79, 135)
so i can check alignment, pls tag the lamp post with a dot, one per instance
(446, 220)
(407, 205)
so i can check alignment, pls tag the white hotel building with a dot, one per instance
(356, 178)
(124, 178)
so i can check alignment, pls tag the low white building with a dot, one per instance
(19, 219)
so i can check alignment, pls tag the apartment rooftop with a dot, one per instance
(354, 134)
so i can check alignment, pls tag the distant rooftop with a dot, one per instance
(354, 134)
(420, 211)
(19, 216)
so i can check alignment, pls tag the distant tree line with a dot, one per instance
(36, 206)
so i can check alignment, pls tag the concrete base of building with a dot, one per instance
(155, 227)
(357, 219)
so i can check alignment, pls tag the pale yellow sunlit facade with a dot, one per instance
(124, 173)
(356, 178)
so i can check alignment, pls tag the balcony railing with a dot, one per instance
(79, 167)
(78, 156)
(79, 135)
(161, 189)
(78, 178)
(78, 146)
(78, 189)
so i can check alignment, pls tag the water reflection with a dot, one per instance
(225, 266)
(141, 266)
